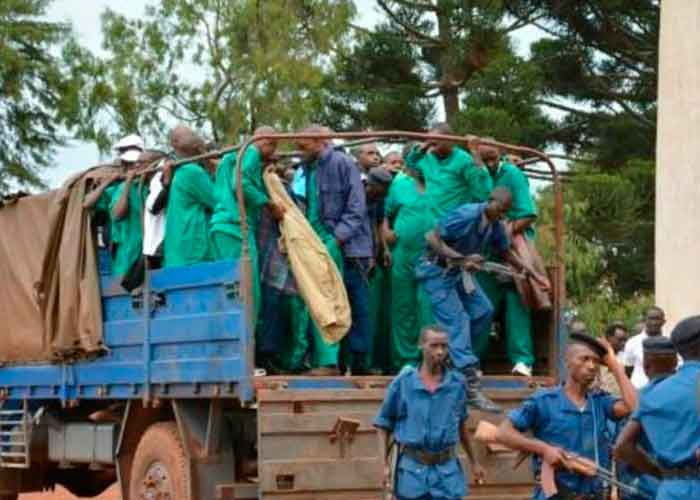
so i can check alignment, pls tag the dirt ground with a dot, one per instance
(61, 494)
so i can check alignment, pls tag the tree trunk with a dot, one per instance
(450, 99)
(449, 91)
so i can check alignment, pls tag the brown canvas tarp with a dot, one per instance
(49, 286)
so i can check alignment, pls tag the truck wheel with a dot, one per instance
(160, 468)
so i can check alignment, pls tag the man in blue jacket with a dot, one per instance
(337, 210)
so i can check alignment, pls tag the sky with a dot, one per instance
(85, 19)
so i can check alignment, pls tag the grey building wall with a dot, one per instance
(677, 265)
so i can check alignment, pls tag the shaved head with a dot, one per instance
(314, 128)
(310, 149)
(264, 130)
(500, 201)
(442, 128)
(267, 147)
(574, 349)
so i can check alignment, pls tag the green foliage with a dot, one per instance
(225, 67)
(455, 41)
(377, 85)
(502, 103)
(603, 306)
(599, 63)
(36, 92)
(609, 240)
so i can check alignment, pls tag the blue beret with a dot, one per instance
(687, 332)
(379, 175)
(658, 345)
(589, 341)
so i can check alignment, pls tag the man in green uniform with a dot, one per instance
(226, 221)
(517, 322)
(407, 219)
(190, 204)
(451, 176)
(121, 202)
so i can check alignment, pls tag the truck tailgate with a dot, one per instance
(300, 458)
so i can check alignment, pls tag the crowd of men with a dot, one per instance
(408, 232)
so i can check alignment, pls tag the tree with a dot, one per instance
(222, 66)
(377, 84)
(502, 102)
(37, 92)
(599, 61)
(457, 39)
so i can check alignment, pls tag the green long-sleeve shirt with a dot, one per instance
(126, 233)
(190, 205)
(226, 217)
(509, 176)
(451, 181)
(408, 209)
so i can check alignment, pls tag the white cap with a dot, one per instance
(130, 141)
(131, 155)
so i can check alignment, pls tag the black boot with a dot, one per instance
(475, 397)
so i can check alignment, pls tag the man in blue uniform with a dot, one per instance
(572, 418)
(668, 417)
(445, 273)
(425, 409)
(660, 362)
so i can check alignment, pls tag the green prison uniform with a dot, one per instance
(518, 320)
(190, 203)
(324, 354)
(379, 352)
(408, 208)
(226, 222)
(451, 181)
(126, 233)
(296, 346)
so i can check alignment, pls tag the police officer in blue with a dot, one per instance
(425, 409)
(445, 272)
(572, 418)
(660, 362)
(669, 416)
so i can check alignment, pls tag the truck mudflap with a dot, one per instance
(316, 440)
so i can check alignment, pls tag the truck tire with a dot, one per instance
(160, 468)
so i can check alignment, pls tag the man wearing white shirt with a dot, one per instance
(633, 355)
(154, 213)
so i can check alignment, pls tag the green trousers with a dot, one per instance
(228, 246)
(517, 318)
(411, 309)
(378, 355)
(304, 331)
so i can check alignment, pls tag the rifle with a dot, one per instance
(487, 433)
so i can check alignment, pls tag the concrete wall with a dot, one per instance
(678, 161)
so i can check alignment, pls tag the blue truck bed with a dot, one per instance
(189, 343)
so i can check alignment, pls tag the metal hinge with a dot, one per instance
(233, 290)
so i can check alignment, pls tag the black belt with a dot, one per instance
(566, 494)
(687, 472)
(429, 457)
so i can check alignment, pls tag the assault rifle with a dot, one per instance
(487, 433)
